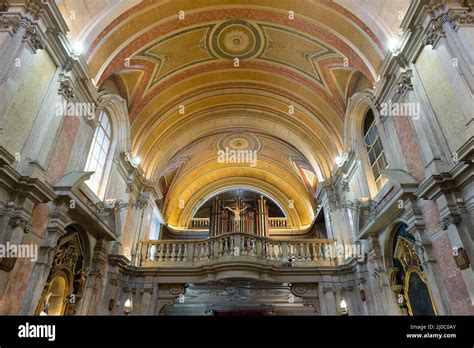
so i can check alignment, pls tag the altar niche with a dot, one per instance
(67, 277)
(407, 277)
(239, 217)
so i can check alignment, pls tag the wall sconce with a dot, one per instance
(343, 306)
(461, 259)
(127, 307)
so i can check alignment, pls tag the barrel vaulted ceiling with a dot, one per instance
(174, 62)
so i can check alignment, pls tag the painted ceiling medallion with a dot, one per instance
(239, 141)
(236, 39)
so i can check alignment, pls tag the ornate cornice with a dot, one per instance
(13, 23)
(460, 19)
(43, 27)
(456, 18)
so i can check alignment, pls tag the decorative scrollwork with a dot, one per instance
(177, 289)
(407, 254)
(298, 289)
(107, 208)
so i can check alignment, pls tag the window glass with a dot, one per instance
(98, 153)
(374, 149)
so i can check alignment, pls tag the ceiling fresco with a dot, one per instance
(273, 76)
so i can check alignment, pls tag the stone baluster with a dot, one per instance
(163, 252)
(227, 245)
(232, 245)
(202, 252)
(185, 252)
(258, 248)
(160, 252)
(178, 252)
(173, 252)
(224, 246)
(212, 249)
(280, 251)
(313, 251)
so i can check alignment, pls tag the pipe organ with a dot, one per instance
(239, 217)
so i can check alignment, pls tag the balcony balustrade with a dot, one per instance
(274, 223)
(236, 247)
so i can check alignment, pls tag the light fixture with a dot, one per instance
(127, 307)
(343, 306)
(78, 48)
(393, 44)
(340, 160)
(136, 160)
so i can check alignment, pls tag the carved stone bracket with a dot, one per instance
(452, 218)
(20, 222)
(435, 33)
(328, 289)
(66, 88)
(404, 83)
(34, 39)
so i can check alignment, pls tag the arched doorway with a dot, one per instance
(407, 278)
(65, 283)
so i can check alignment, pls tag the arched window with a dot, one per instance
(374, 149)
(98, 153)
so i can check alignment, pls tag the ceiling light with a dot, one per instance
(393, 44)
(78, 48)
(340, 160)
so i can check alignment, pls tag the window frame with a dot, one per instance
(101, 156)
(375, 150)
